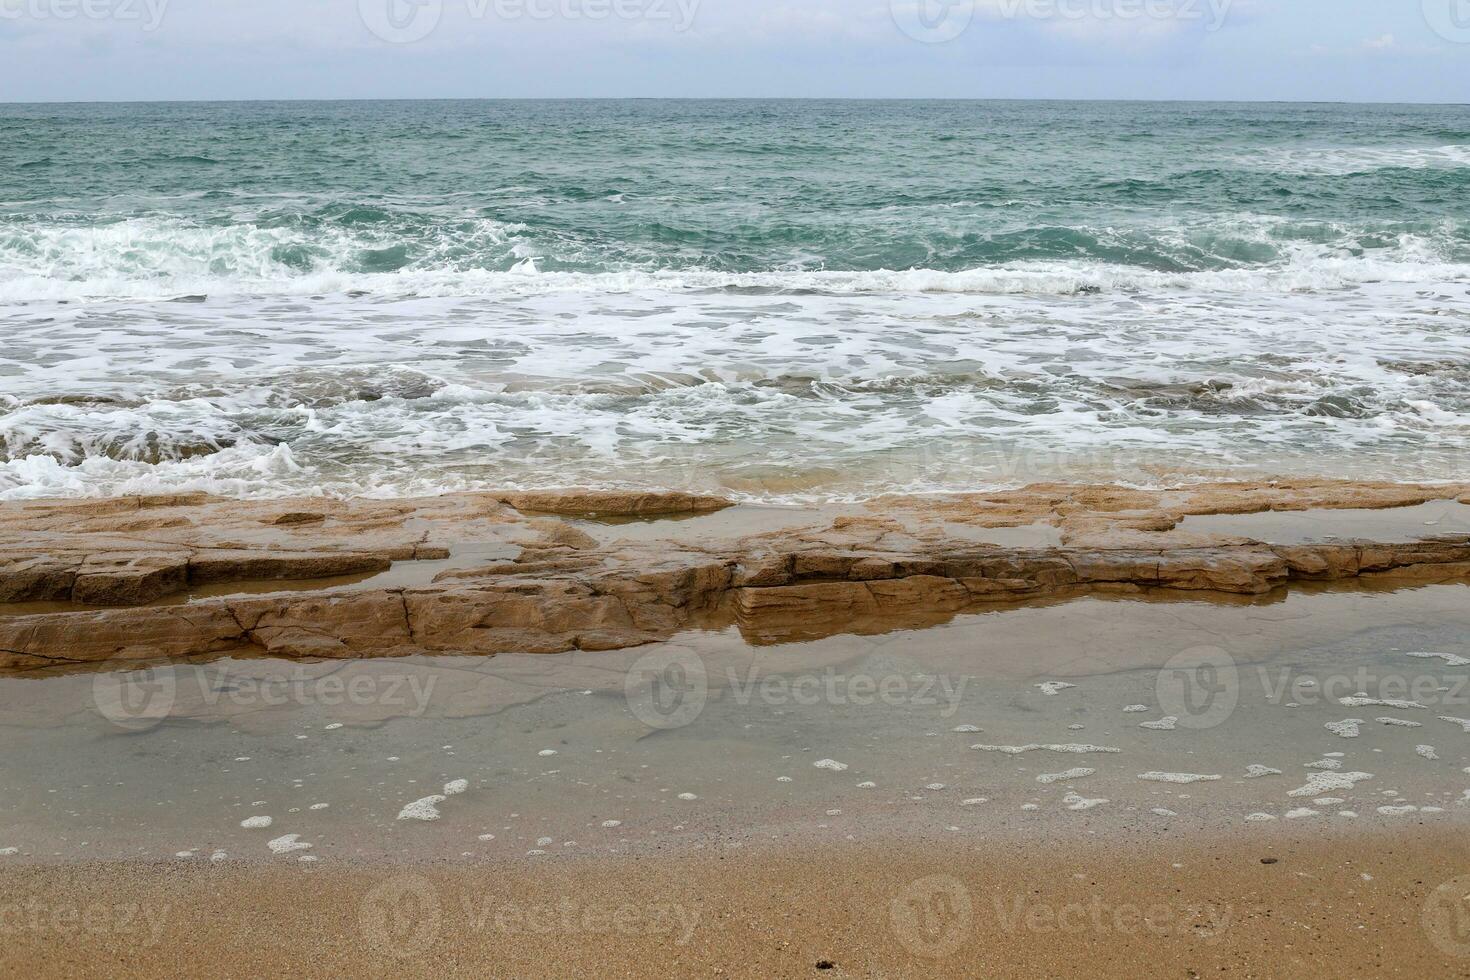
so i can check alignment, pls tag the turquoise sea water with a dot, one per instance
(792, 297)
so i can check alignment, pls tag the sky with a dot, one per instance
(1292, 50)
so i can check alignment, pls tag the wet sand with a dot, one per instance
(1326, 905)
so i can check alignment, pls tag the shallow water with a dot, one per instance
(778, 299)
(168, 763)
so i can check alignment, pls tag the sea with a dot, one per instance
(775, 300)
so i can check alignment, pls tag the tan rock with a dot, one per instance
(129, 580)
(536, 584)
(37, 578)
(239, 565)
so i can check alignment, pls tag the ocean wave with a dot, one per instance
(1341, 161)
(360, 249)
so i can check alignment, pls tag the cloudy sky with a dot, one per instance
(1338, 50)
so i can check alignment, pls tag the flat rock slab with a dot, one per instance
(562, 588)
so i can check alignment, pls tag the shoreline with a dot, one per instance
(1037, 791)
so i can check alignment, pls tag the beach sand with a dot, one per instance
(1276, 904)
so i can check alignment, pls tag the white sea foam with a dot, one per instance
(1363, 702)
(1078, 748)
(1075, 801)
(1320, 783)
(287, 843)
(1070, 774)
(1176, 777)
(281, 382)
(424, 808)
(1450, 659)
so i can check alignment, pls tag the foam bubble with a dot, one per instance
(1070, 748)
(287, 843)
(1320, 783)
(1365, 702)
(1450, 659)
(1056, 777)
(1176, 777)
(424, 808)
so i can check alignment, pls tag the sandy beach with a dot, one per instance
(1283, 904)
(1216, 729)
